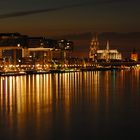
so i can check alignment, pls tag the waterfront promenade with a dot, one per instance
(42, 69)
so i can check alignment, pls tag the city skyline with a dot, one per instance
(51, 18)
(69, 69)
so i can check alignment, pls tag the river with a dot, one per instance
(70, 106)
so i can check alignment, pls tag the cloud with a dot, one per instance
(32, 12)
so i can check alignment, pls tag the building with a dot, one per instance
(11, 47)
(20, 49)
(66, 48)
(107, 54)
(94, 46)
(134, 55)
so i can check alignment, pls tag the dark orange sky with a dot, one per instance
(53, 17)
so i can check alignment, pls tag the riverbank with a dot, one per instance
(29, 72)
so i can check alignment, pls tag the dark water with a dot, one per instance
(71, 106)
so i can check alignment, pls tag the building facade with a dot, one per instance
(94, 46)
(15, 48)
(106, 54)
(134, 55)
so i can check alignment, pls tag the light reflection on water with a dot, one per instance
(68, 104)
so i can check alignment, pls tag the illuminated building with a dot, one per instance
(134, 55)
(10, 47)
(105, 54)
(39, 49)
(109, 54)
(20, 49)
(93, 49)
(66, 47)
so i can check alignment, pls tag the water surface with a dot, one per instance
(79, 105)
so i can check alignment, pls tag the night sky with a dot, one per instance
(77, 20)
(56, 17)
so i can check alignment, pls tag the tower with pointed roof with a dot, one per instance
(94, 46)
(107, 51)
(107, 45)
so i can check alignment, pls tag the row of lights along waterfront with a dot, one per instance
(23, 53)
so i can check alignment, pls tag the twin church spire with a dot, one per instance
(106, 54)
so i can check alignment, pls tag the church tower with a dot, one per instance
(94, 46)
(107, 54)
(107, 45)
